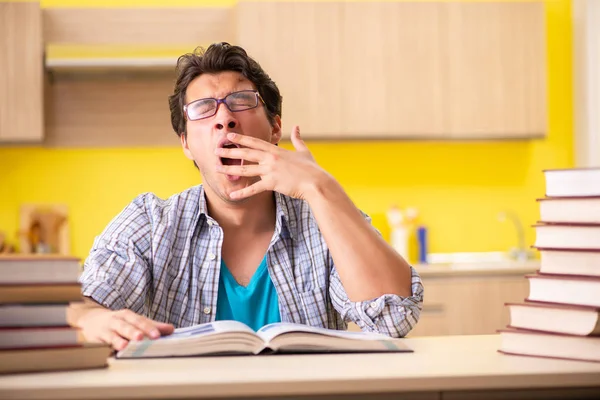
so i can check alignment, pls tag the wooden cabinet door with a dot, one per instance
(349, 70)
(21, 72)
(417, 70)
(392, 70)
(468, 305)
(298, 45)
(495, 71)
(437, 299)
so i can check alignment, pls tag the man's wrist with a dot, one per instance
(79, 312)
(318, 187)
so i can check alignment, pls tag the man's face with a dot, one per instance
(205, 135)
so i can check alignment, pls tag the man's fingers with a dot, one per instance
(297, 140)
(241, 170)
(251, 190)
(116, 341)
(251, 142)
(152, 329)
(125, 329)
(241, 154)
(146, 326)
(165, 329)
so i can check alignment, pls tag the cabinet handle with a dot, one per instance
(433, 308)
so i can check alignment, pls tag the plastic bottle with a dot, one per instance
(422, 244)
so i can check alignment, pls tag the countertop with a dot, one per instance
(478, 269)
(437, 365)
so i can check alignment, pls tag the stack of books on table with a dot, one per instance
(561, 316)
(35, 336)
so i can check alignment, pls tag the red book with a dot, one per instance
(68, 358)
(40, 293)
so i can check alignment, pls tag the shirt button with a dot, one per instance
(373, 305)
(209, 222)
(211, 256)
(206, 310)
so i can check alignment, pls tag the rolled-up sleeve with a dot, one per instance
(390, 314)
(116, 273)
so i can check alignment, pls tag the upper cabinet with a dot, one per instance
(299, 46)
(346, 70)
(21, 72)
(495, 69)
(403, 69)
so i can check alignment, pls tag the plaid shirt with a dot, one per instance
(161, 258)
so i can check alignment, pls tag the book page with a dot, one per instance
(268, 332)
(207, 329)
(212, 337)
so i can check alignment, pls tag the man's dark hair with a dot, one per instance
(217, 58)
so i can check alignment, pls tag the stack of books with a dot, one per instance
(561, 316)
(35, 335)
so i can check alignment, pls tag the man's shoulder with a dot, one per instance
(152, 203)
(148, 211)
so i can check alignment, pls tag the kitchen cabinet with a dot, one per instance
(298, 45)
(419, 70)
(22, 76)
(469, 302)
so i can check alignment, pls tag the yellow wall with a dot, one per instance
(459, 188)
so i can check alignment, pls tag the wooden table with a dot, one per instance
(449, 367)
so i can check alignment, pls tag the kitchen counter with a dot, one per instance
(478, 269)
(448, 367)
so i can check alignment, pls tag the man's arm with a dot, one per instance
(115, 282)
(99, 324)
(364, 266)
(368, 266)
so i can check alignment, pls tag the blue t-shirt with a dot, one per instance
(256, 305)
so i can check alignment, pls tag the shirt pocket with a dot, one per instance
(316, 304)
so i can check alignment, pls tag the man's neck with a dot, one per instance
(255, 214)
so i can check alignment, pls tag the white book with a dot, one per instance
(556, 318)
(572, 182)
(564, 289)
(567, 236)
(232, 337)
(569, 261)
(18, 338)
(570, 209)
(549, 345)
(28, 268)
(15, 315)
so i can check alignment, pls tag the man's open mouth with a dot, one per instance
(231, 161)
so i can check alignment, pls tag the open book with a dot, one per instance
(232, 337)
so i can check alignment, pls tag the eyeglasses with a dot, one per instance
(236, 101)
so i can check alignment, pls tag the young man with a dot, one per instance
(270, 236)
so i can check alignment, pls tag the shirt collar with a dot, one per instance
(284, 210)
(202, 206)
(286, 215)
